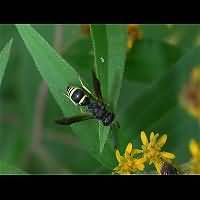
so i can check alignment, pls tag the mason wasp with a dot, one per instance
(93, 104)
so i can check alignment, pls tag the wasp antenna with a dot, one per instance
(79, 77)
(82, 82)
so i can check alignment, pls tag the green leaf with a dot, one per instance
(58, 75)
(4, 56)
(117, 46)
(181, 35)
(159, 58)
(53, 68)
(100, 46)
(6, 168)
(157, 32)
(157, 108)
(81, 60)
(110, 44)
(146, 62)
(103, 135)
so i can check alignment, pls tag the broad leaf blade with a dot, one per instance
(4, 56)
(59, 74)
(48, 66)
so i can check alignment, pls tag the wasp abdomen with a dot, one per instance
(99, 111)
(108, 119)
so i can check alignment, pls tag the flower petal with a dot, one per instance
(157, 166)
(140, 166)
(155, 138)
(167, 155)
(129, 148)
(118, 156)
(140, 161)
(162, 140)
(130, 42)
(196, 74)
(144, 138)
(136, 151)
(194, 148)
(151, 137)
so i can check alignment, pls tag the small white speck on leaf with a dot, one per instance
(102, 59)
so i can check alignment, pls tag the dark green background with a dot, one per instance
(148, 100)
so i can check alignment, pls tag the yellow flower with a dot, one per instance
(127, 164)
(195, 75)
(195, 161)
(190, 95)
(152, 150)
(133, 34)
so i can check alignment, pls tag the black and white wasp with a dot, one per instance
(93, 104)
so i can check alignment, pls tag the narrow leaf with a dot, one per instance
(4, 56)
(109, 43)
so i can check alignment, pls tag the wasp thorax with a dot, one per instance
(77, 95)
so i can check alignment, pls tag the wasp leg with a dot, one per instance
(97, 86)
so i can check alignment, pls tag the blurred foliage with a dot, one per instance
(156, 68)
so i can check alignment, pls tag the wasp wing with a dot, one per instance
(97, 86)
(73, 119)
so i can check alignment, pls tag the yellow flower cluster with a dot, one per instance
(151, 154)
(195, 161)
(128, 163)
(190, 96)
